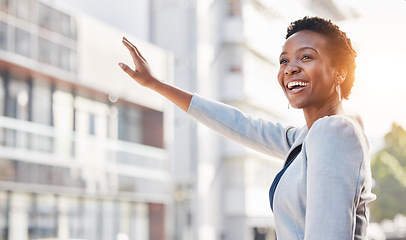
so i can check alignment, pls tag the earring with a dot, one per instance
(338, 89)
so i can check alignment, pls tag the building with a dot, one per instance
(225, 50)
(84, 154)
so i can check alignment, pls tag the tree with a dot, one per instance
(389, 172)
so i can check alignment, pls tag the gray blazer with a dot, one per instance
(326, 191)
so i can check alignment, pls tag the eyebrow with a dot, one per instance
(302, 49)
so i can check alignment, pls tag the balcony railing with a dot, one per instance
(135, 167)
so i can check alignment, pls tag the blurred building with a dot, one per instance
(226, 50)
(93, 173)
(83, 151)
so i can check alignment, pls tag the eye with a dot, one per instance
(306, 57)
(283, 61)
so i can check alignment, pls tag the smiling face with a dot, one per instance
(307, 74)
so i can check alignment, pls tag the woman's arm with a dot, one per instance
(260, 135)
(336, 171)
(142, 75)
(264, 136)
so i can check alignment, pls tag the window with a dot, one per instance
(6, 6)
(129, 124)
(64, 58)
(41, 102)
(4, 208)
(152, 125)
(91, 123)
(92, 215)
(41, 113)
(75, 216)
(2, 96)
(3, 36)
(42, 217)
(18, 99)
(22, 42)
(46, 18)
(65, 25)
(234, 7)
(17, 107)
(48, 52)
(24, 9)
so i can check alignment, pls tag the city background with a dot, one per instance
(86, 153)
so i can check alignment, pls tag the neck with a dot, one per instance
(313, 114)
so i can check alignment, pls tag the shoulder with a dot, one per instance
(336, 131)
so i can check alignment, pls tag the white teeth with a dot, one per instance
(295, 84)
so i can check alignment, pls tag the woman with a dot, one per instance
(324, 189)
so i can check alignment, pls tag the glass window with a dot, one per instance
(7, 170)
(64, 24)
(22, 42)
(73, 67)
(2, 104)
(6, 6)
(129, 124)
(65, 58)
(24, 9)
(110, 219)
(75, 218)
(152, 125)
(140, 222)
(18, 94)
(17, 107)
(48, 52)
(3, 36)
(46, 18)
(91, 123)
(234, 7)
(124, 219)
(43, 217)
(2, 96)
(4, 211)
(92, 216)
(73, 28)
(41, 102)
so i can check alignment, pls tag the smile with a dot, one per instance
(296, 85)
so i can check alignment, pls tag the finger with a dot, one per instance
(136, 58)
(127, 69)
(136, 49)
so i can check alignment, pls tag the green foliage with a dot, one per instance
(389, 173)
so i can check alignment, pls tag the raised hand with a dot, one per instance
(142, 72)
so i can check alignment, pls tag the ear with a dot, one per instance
(341, 74)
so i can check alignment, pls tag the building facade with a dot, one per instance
(84, 153)
(226, 50)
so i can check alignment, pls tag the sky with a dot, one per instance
(379, 37)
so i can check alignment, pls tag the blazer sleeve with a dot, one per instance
(336, 152)
(263, 136)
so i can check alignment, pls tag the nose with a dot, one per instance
(292, 69)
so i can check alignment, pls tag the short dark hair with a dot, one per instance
(340, 45)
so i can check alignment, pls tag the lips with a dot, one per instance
(296, 85)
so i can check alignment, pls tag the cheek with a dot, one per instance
(280, 78)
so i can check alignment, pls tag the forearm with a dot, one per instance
(264, 136)
(176, 95)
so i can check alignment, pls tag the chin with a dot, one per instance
(295, 105)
